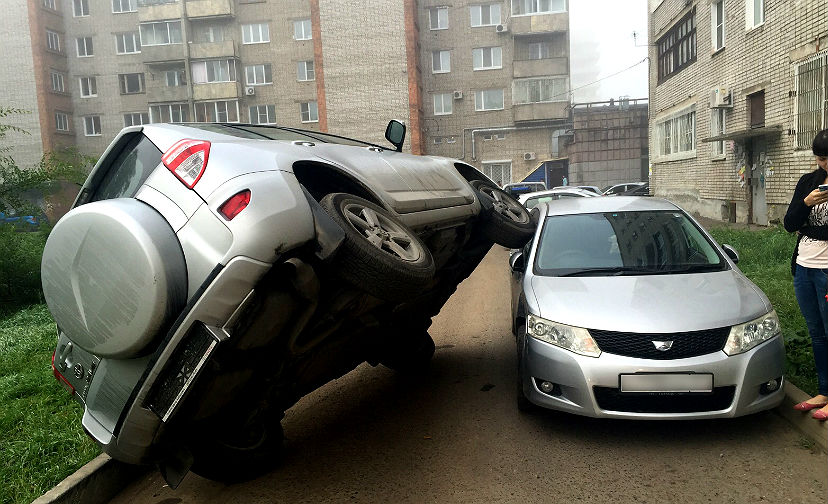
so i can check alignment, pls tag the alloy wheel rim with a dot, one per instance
(506, 207)
(382, 232)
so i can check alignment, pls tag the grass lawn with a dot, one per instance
(765, 257)
(41, 439)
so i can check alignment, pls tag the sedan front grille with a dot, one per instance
(612, 399)
(640, 345)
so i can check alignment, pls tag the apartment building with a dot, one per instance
(481, 80)
(737, 93)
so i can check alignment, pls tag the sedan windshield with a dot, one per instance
(624, 243)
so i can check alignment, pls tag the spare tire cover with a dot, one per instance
(113, 276)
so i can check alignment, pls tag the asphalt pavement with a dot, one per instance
(454, 435)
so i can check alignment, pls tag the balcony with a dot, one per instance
(155, 54)
(158, 94)
(215, 91)
(536, 68)
(541, 111)
(212, 50)
(544, 23)
(209, 8)
(158, 10)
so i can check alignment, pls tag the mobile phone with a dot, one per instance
(823, 187)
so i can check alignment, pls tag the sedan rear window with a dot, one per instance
(619, 243)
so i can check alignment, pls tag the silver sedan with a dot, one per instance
(624, 307)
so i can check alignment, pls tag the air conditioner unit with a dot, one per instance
(721, 98)
(528, 156)
(250, 90)
(458, 95)
(501, 28)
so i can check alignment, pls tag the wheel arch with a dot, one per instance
(321, 179)
(470, 173)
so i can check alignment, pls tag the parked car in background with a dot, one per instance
(210, 275)
(589, 188)
(518, 188)
(642, 190)
(617, 189)
(626, 308)
(531, 200)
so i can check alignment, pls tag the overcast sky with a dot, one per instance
(601, 44)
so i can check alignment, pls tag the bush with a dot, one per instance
(20, 254)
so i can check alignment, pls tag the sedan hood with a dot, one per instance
(650, 303)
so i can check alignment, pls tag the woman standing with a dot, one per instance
(808, 215)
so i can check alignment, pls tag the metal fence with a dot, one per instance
(811, 115)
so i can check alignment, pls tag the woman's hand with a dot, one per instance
(816, 197)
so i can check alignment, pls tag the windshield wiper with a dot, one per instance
(696, 268)
(615, 271)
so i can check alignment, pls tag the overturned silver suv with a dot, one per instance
(210, 275)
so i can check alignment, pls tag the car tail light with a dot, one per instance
(187, 159)
(233, 206)
(63, 381)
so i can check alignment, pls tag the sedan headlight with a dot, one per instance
(574, 339)
(745, 336)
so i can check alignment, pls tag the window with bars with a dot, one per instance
(676, 135)
(811, 86)
(500, 172)
(677, 48)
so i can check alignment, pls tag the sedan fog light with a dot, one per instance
(547, 387)
(745, 336)
(574, 339)
(770, 386)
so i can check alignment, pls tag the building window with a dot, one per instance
(756, 109)
(811, 93)
(540, 90)
(485, 15)
(304, 71)
(163, 33)
(717, 127)
(175, 78)
(500, 172)
(57, 82)
(676, 135)
(170, 113)
(206, 72)
(487, 58)
(438, 18)
(256, 75)
(61, 121)
(309, 112)
(677, 48)
(131, 83)
(717, 24)
(136, 119)
(302, 29)
(52, 41)
(443, 103)
(88, 87)
(218, 111)
(80, 8)
(127, 43)
(263, 114)
(525, 7)
(92, 125)
(50, 4)
(84, 45)
(440, 61)
(119, 6)
(255, 33)
(208, 34)
(488, 99)
(539, 50)
(754, 13)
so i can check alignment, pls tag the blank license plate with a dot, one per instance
(673, 382)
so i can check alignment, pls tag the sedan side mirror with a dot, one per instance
(731, 253)
(517, 262)
(395, 133)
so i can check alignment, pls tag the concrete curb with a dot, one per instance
(95, 483)
(801, 420)
(101, 479)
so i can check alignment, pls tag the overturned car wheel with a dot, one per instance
(380, 254)
(508, 223)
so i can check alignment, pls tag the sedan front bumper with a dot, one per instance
(591, 386)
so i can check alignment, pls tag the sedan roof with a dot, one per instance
(616, 204)
(563, 190)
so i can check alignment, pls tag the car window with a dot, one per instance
(646, 242)
(127, 173)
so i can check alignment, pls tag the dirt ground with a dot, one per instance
(455, 435)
